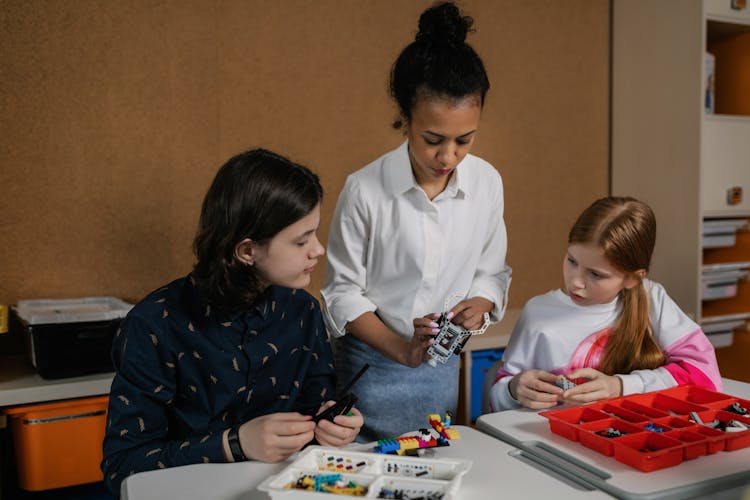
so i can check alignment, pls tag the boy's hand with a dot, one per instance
(599, 386)
(469, 313)
(275, 437)
(341, 431)
(535, 389)
(425, 330)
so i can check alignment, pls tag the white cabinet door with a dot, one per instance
(725, 165)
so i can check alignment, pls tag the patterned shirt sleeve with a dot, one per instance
(143, 388)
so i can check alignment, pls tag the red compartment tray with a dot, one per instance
(657, 429)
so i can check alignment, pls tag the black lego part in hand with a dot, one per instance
(342, 406)
(344, 402)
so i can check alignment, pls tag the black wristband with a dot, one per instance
(233, 437)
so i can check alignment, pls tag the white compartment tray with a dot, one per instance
(376, 473)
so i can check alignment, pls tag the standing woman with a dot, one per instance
(414, 227)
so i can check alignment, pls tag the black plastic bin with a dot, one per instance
(69, 337)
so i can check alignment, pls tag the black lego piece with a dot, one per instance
(344, 402)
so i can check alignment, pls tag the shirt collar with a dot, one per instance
(202, 310)
(401, 178)
(456, 186)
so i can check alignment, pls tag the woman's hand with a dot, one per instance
(342, 431)
(275, 437)
(599, 386)
(535, 389)
(425, 329)
(469, 313)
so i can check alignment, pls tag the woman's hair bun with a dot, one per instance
(443, 23)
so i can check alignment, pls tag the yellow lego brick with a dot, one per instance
(409, 443)
(451, 434)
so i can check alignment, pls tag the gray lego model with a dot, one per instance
(564, 383)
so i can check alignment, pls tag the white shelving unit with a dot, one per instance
(669, 153)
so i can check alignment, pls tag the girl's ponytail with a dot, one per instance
(625, 229)
(631, 345)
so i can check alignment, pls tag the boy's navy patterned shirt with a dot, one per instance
(184, 373)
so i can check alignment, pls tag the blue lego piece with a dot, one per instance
(327, 480)
(387, 446)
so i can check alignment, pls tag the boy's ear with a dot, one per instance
(634, 278)
(244, 252)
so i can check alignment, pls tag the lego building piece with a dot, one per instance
(325, 479)
(610, 432)
(563, 383)
(409, 443)
(737, 408)
(654, 428)
(421, 439)
(424, 435)
(344, 402)
(387, 446)
(735, 426)
(442, 427)
(451, 434)
(451, 338)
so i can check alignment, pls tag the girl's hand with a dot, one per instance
(425, 329)
(599, 386)
(535, 389)
(469, 313)
(275, 437)
(341, 431)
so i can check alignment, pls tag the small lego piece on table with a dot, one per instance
(413, 443)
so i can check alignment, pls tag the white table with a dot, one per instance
(496, 472)
(725, 474)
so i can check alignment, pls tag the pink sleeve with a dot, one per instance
(692, 360)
